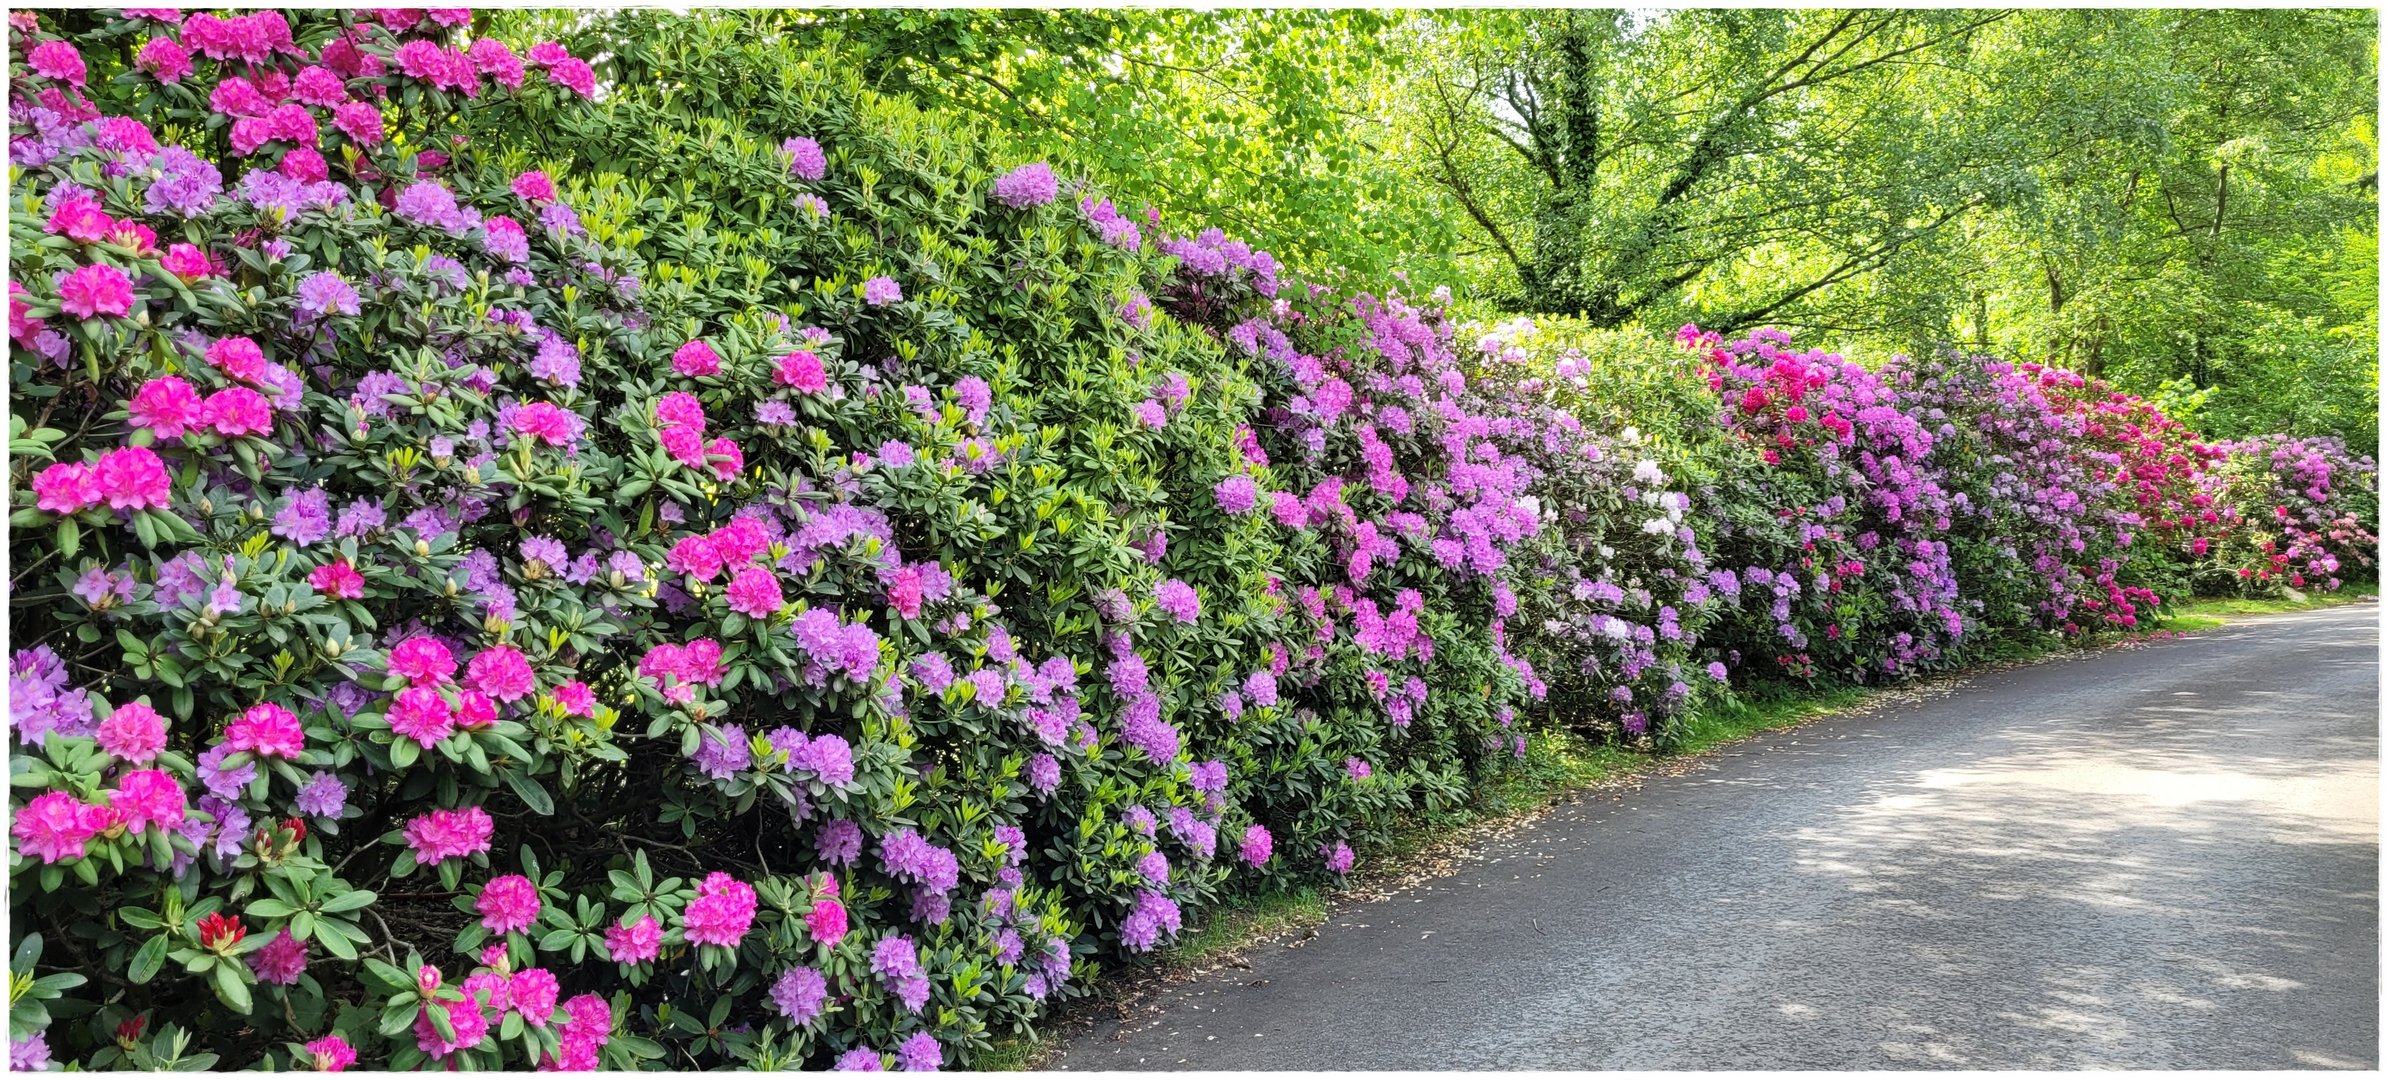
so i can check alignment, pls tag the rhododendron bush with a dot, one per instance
(1902, 519)
(296, 426)
(2304, 514)
(1835, 544)
(2058, 532)
(769, 578)
(1616, 592)
(491, 640)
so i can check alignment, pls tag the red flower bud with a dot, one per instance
(220, 931)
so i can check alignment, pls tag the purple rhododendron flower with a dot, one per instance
(1029, 185)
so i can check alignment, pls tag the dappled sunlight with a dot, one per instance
(2134, 835)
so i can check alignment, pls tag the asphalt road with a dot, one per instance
(2158, 857)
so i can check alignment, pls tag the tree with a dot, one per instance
(1655, 156)
(2160, 197)
(1260, 122)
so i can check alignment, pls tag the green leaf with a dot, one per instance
(347, 901)
(148, 960)
(334, 940)
(533, 795)
(231, 988)
(388, 976)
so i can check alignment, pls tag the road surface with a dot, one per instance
(2159, 857)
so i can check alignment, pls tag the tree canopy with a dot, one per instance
(2183, 201)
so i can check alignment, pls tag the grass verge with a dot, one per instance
(2212, 612)
(1559, 764)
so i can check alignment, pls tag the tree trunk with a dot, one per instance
(2059, 342)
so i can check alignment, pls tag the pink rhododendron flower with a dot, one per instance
(165, 59)
(91, 291)
(235, 411)
(533, 993)
(634, 943)
(66, 487)
(680, 409)
(802, 370)
(696, 358)
(508, 904)
(56, 60)
(695, 555)
(56, 825)
(133, 734)
(754, 592)
(80, 219)
(826, 921)
(588, 1024)
(494, 59)
(465, 1018)
(304, 165)
(725, 458)
(166, 405)
(319, 86)
(549, 423)
(576, 699)
(147, 797)
(449, 834)
(337, 579)
(187, 262)
(723, 909)
(502, 672)
(422, 660)
(686, 445)
(574, 74)
(700, 662)
(293, 124)
(474, 710)
(238, 97)
(267, 730)
(132, 478)
(281, 961)
(535, 187)
(332, 1054)
(740, 541)
(905, 592)
(250, 134)
(361, 122)
(1256, 846)
(238, 358)
(421, 714)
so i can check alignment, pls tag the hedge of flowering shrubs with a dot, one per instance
(1898, 520)
(762, 577)
(2302, 512)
